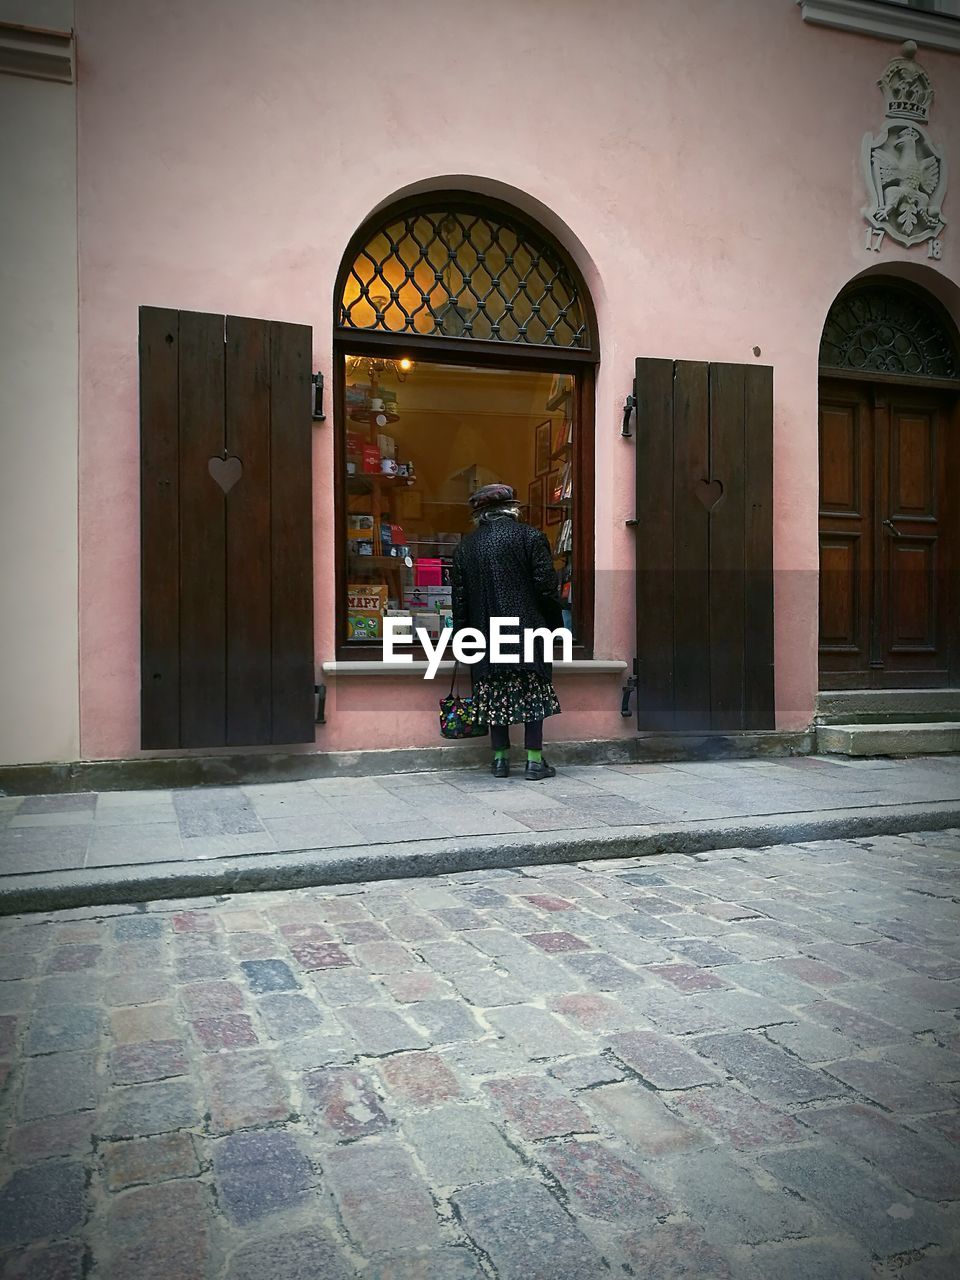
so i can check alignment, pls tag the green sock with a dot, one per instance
(502, 754)
(534, 757)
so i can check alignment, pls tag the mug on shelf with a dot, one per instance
(388, 466)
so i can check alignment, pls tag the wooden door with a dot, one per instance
(847, 527)
(226, 531)
(888, 537)
(704, 520)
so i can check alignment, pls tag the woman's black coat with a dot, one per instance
(504, 569)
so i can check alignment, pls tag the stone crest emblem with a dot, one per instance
(906, 173)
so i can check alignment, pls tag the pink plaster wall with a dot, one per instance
(700, 160)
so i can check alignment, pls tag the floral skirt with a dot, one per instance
(514, 698)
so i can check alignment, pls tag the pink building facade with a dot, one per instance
(700, 166)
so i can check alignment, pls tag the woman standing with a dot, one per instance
(504, 569)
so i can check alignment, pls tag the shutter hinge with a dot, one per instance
(628, 690)
(317, 383)
(629, 405)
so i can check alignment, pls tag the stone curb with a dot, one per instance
(258, 873)
(238, 769)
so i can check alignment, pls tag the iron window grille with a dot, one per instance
(884, 330)
(450, 273)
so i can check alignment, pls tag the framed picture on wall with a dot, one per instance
(535, 502)
(554, 495)
(542, 448)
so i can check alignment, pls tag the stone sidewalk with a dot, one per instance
(75, 849)
(735, 1066)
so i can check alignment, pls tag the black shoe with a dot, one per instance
(537, 770)
(500, 768)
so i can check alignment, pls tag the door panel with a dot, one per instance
(248, 577)
(887, 537)
(841, 458)
(226, 531)
(916, 628)
(913, 446)
(203, 616)
(913, 597)
(846, 534)
(840, 603)
(704, 520)
(160, 529)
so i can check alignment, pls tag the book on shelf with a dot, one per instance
(564, 439)
(564, 538)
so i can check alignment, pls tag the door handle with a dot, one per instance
(888, 524)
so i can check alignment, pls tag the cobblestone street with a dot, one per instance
(743, 1064)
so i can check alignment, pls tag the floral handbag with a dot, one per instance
(458, 716)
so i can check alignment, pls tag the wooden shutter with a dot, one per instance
(226, 531)
(704, 521)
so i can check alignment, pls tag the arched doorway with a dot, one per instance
(889, 425)
(465, 349)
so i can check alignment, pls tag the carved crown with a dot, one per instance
(906, 87)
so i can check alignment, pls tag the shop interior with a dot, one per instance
(420, 439)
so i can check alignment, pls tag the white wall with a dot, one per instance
(39, 674)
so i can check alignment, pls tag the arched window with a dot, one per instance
(884, 328)
(465, 347)
(456, 270)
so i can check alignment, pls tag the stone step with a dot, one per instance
(907, 739)
(893, 706)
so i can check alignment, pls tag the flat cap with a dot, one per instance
(492, 495)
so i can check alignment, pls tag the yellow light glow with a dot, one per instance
(406, 364)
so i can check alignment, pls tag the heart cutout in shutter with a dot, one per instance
(226, 471)
(709, 492)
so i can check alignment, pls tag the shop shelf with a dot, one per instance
(370, 416)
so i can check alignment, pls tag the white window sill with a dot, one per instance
(579, 667)
(887, 22)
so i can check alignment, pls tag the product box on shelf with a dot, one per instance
(429, 622)
(391, 535)
(427, 597)
(392, 541)
(419, 599)
(428, 572)
(441, 597)
(415, 600)
(406, 617)
(370, 459)
(366, 602)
